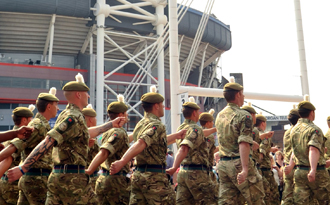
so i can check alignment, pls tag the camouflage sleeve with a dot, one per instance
(193, 138)
(246, 130)
(263, 146)
(62, 129)
(316, 140)
(149, 133)
(327, 144)
(114, 142)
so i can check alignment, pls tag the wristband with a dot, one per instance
(20, 168)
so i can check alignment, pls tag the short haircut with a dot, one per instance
(230, 95)
(187, 111)
(42, 104)
(293, 119)
(17, 119)
(113, 115)
(202, 122)
(258, 122)
(304, 113)
(147, 106)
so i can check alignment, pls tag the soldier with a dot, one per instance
(308, 146)
(68, 181)
(21, 117)
(149, 183)
(327, 142)
(272, 196)
(194, 183)
(237, 172)
(90, 118)
(112, 189)
(33, 189)
(288, 179)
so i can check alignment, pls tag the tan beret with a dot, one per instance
(152, 96)
(191, 103)
(22, 112)
(118, 106)
(328, 119)
(306, 105)
(232, 85)
(205, 116)
(261, 117)
(90, 112)
(294, 112)
(78, 85)
(49, 97)
(250, 109)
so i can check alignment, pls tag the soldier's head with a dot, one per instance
(23, 115)
(306, 109)
(261, 121)
(76, 92)
(118, 108)
(328, 121)
(293, 116)
(47, 104)
(190, 110)
(206, 119)
(233, 92)
(90, 115)
(152, 102)
(251, 110)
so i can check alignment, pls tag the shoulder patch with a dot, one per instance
(113, 137)
(65, 125)
(195, 130)
(317, 132)
(151, 131)
(248, 121)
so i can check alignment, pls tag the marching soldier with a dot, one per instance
(69, 141)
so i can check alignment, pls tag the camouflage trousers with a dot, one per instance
(230, 191)
(195, 187)
(9, 193)
(215, 184)
(287, 197)
(272, 196)
(85, 197)
(151, 188)
(112, 190)
(68, 188)
(33, 190)
(304, 190)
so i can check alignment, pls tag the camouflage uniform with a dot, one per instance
(10, 191)
(327, 144)
(234, 126)
(256, 138)
(113, 189)
(211, 147)
(71, 134)
(272, 195)
(33, 184)
(93, 177)
(288, 179)
(304, 134)
(150, 187)
(194, 183)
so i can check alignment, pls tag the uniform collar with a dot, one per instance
(150, 115)
(189, 121)
(44, 120)
(305, 120)
(233, 105)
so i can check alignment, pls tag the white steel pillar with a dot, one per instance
(91, 45)
(160, 23)
(174, 65)
(101, 11)
(301, 47)
(51, 40)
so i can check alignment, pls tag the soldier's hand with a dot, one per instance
(170, 171)
(118, 122)
(288, 169)
(273, 149)
(1, 146)
(116, 167)
(91, 142)
(311, 175)
(24, 132)
(241, 177)
(255, 146)
(88, 172)
(270, 134)
(14, 174)
(181, 134)
(327, 163)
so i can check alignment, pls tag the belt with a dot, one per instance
(107, 173)
(38, 172)
(68, 168)
(151, 168)
(4, 177)
(302, 167)
(195, 167)
(264, 169)
(229, 158)
(95, 174)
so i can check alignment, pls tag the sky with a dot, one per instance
(265, 49)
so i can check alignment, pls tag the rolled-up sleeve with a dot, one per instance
(246, 130)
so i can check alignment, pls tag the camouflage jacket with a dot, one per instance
(71, 134)
(25, 147)
(138, 127)
(197, 143)
(16, 158)
(327, 144)
(304, 134)
(256, 138)
(233, 127)
(264, 148)
(287, 145)
(211, 147)
(153, 132)
(116, 142)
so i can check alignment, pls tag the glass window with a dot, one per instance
(4, 105)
